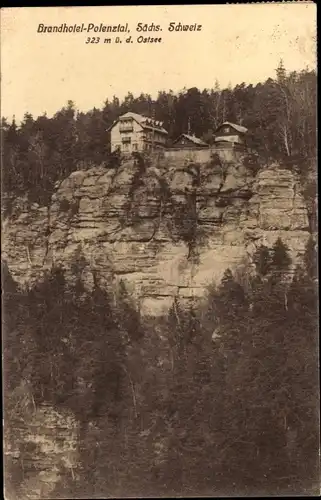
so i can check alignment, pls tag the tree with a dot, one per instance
(129, 319)
(265, 372)
(281, 73)
(280, 112)
(310, 259)
(281, 261)
(262, 260)
(232, 298)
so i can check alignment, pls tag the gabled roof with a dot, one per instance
(136, 116)
(193, 139)
(144, 121)
(239, 128)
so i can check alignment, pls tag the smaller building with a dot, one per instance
(186, 141)
(229, 135)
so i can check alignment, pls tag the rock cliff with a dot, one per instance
(165, 230)
(40, 450)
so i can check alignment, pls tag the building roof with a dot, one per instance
(144, 121)
(239, 128)
(193, 139)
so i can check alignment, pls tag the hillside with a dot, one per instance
(163, 230)
(160, 313)
(280, 114)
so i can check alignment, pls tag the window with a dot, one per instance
(134, 147)
(126, 140)
(126, 126)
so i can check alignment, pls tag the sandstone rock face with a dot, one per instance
(44, 449)
(164, 230)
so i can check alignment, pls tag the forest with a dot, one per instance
(279, 113)
(217, 398)
(214, 399)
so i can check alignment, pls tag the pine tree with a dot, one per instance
(128, 318)
(310, 259)
(302, 362)
(281, 72)
(232, 297)
(262, 260)
(281, 261)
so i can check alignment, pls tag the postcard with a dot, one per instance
(159, 245)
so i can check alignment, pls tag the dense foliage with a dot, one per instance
(279, 113)
(215, 398)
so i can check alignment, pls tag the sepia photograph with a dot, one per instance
(159, 229)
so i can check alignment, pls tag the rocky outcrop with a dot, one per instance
(40, 453)
(164, 230)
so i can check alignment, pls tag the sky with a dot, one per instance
(40, 72)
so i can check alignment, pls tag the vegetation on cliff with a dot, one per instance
(217, 398)
(280, 114)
